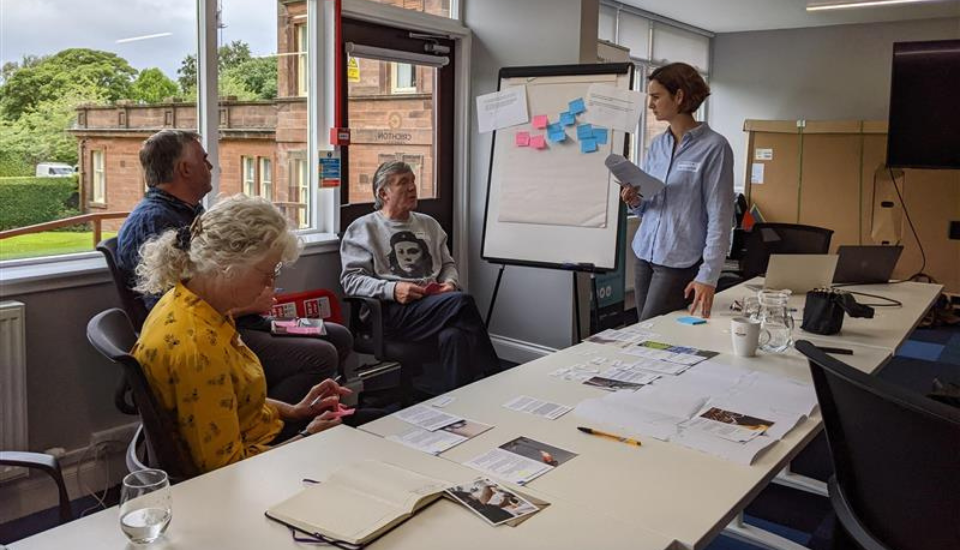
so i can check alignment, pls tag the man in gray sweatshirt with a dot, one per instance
(401, 257)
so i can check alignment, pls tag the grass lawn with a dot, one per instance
(48, 244)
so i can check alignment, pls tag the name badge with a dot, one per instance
(688, 166)
(421, 235)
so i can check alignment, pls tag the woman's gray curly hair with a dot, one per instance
(381, 178)
(234, 234)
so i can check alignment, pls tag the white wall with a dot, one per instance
(534, 305)
(840, 72)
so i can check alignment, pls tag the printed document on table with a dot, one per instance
(650, 411)
(612, 107)
(778, 393)
(537, 407)
(628, 173)
(427, 418)
(629, 374)
(429, 442)
(509, 466)
(502, 109)
(741, 453)
(440, 440)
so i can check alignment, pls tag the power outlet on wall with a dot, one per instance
(121, 435)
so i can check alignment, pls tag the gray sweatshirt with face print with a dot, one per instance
(377, 252)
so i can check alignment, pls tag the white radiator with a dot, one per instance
(13, 383)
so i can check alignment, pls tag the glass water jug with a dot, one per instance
(776, 324)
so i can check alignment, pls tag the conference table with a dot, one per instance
(225, 508)
(657, 496)
(682, 493)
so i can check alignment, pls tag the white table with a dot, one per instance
(679, 492)
(888, 329)
(225, 509)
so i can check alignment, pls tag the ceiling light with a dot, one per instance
(846, 4)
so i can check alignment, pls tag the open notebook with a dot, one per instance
(358, 503)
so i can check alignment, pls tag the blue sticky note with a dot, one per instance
(600, 134)
(557, 137)
(567, 119)
(584, 131)
(588, 145)
(555, 127)
(577, 106)
(688, 320)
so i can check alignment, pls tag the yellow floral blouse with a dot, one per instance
(210, 382)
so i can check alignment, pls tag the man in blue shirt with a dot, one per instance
(178, 176)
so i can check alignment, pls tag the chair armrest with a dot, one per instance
(47, 464)
(849, 520)
(374, 320)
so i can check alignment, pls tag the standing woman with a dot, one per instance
(685, 229)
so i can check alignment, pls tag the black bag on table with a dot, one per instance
(824, 309)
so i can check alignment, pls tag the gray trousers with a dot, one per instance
(659, 289)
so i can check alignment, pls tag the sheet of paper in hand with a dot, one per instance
(628, 173)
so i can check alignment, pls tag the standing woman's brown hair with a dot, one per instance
(682, 77)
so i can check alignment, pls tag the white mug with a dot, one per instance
(745, 333)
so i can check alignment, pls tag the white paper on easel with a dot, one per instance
(614, 108)
(502, 109)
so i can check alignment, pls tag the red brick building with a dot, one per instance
(263, 144)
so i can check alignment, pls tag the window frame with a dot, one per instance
(265, 177)
(395, 88)
(248, 179)
(301, 41)
(98, 178)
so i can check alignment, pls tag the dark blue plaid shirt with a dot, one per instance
(157, 212)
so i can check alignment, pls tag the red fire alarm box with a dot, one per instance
(340, 136)
(322, 304)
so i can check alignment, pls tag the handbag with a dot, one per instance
(824, 310)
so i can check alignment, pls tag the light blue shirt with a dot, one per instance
(690, 219)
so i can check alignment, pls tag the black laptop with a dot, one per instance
(866, 264)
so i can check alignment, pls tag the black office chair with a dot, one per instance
(418, 360)
(896, 456)
(47, 464)
(154, 446)
(765, 239)
(130, 299)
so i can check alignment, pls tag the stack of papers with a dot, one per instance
(520, 460)
(722, 410)
(440, 440)
(621, 338)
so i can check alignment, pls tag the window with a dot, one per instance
(403, 78)
(249, 176)
(264, 76)
(299, 208)
(72, 96)
(433, 7)
(302, 83)
(654, 42)
(266, 178)
(99, 176)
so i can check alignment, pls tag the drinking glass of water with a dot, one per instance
(145, 505)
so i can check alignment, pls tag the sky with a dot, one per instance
(43, 27)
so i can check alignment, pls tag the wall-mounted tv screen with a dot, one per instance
(925, 105)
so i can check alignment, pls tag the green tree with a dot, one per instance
(258, 75)
(240, 74)
(152, 86)
(67, 73)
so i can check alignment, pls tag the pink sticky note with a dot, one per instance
(523, 139)
(540, 122)
(537, 142)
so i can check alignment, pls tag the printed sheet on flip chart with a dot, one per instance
(610, 107)
(502, 109)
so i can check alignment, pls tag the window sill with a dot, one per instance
(97, 205)
(33, 275)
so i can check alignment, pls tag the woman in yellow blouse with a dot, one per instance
(191, 353)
